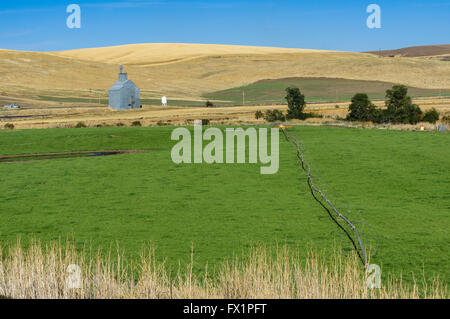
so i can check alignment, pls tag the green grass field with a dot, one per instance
(315, 90)
(395, 183)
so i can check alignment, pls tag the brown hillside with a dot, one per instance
(418, 51)
(188, 71)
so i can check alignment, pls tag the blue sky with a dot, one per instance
(40, 25)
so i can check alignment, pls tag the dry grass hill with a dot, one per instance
(417, 51)
(186, 71)
(160, 53)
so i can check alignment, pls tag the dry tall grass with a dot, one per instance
(41, 272)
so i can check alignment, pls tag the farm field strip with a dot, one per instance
(151, 115)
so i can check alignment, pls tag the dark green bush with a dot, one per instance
(274, 116)
(446, 118)
(209, 104)
(136, 123)
(259, 115)
(80, 125)
(9, 126)
(431, 116)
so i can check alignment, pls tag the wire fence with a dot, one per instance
(332, 211)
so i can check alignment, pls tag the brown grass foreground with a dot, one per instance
(41, 273)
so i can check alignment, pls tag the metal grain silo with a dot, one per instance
(124, 94)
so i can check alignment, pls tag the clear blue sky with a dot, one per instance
(321, 24)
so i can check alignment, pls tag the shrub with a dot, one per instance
(136, 123)
(209, 104)
(274, 115)
(431, 116)
(205, 122)
(120, 124)
(259, 115)
(296, 103)
(80, 125)
(9, 126)
(413, 114)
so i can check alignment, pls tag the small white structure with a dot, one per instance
(164, 101)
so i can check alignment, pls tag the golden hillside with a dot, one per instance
(189, 70)
(161, 53)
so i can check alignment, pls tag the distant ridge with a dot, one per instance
(417, 51)
(188, 71)
(157, 53)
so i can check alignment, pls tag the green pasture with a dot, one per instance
(395, 185)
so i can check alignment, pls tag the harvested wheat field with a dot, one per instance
(187, 71)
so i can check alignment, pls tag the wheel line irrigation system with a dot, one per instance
(332, 211)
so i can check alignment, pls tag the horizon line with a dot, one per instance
(218, 44)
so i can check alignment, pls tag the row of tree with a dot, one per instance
(399, 109)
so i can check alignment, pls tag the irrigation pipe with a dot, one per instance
(314, 190)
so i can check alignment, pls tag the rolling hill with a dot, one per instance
(188, 71)
(163, 53)
(417, 51)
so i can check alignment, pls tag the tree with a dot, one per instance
(362, 109)
(431, 116)
(296, 103)
(400, 108)
(209, 104)
(397, 97)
